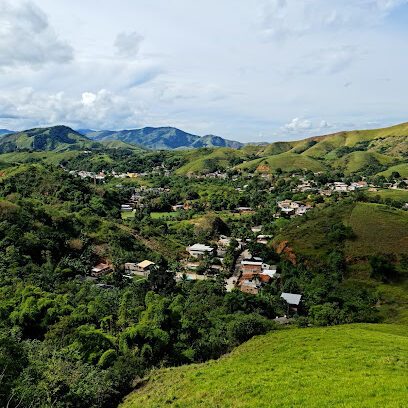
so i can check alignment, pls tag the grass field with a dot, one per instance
(158, 215)
(127, 215)
(344, 366)
(379, 229)
(402, 169)
(284, 161)
(388, 193)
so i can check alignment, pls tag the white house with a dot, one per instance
(200, 250)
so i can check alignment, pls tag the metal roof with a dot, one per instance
(291, 298)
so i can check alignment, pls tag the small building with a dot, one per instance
(293, 300)
(177, 207)
(139, 268)
(263, 239)
(257, 228)
(101, 269)
(252, 282)
(253, 265)
(126, 208)
(198, 250)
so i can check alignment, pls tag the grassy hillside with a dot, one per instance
(377, 229)
(345, 366)
(348, 151)
(402, 169)
(56, 138)
(202, 159)
(284, 161)
(356, 161)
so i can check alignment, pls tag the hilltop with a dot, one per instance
(56, 138)
(351, 152)
(162, 138)
(354, 366)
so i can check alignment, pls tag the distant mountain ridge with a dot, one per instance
(162, 138)
(5, 132)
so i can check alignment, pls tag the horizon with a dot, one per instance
(275, 70)
(157, 127)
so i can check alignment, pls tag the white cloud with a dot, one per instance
(128, 44)
(26, 38)
(297, 124)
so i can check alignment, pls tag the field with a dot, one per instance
(402, 169)
(345, 366)
(393, 194)
(284, 161)
(378, 229)
(158, 215)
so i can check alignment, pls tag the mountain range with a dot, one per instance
(380, 150)
(161, 138)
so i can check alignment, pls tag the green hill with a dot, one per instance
(56, 138)
(358, 160)
(377, 229)
(284, 161)
(402, 169)
(358, 365)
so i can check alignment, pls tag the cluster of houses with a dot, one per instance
(255, 274)
(136, 200)
(289, 207)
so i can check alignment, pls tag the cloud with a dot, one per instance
(284, 19)
(27, 39)
(297, 124)
(99, 110)
(128, 44)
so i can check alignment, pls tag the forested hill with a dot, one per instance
(162, 138)
(56, 138)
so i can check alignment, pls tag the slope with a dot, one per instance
(358, 365)
(56, 138)
(285, 161)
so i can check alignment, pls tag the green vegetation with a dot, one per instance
(348, 366)
(69, 338)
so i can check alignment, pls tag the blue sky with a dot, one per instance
(249, 70)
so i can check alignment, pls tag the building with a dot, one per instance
(263, 239)
(293, 300)
(177, 207)
(198, 250)
(253, 265)
(126, 208)
(139, 268)
(101, 269)
(252, 282)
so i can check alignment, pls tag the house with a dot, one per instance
(244, 210)
(198, 250)
(177, 207)
(139, 268)
(126, 208)
(253, 265)
(263, 239)
(293, 300)
(287, 211)
(257, 228)
(252, 282)
(100, 269)
(296, 204)
(271, 271)
(303, 210)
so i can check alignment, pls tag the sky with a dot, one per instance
(247, 70)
